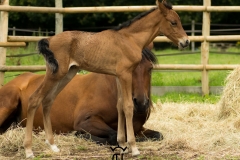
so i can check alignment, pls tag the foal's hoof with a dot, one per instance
(30, 155)
(53, 147)
(135, 152)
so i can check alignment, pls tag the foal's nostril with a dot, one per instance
(183, 45)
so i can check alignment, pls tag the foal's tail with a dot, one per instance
(43, 48)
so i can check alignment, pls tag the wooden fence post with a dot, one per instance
(39, 31)
(58, 18)
(3, 38)
(193, 34)
(205, 47)
(14, 31)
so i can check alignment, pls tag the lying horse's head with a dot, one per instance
(141, 85)
(171, 25)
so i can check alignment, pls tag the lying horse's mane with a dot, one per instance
(149, 55)
(129, 22)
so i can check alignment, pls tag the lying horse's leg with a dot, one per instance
(100, 132)
(147, 134)
(9, 98)
(99, 140)
(127, 108)
(47, 103)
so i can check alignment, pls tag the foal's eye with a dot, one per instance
(173, 23)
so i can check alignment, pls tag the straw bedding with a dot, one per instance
(190, 130)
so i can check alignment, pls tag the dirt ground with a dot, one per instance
(190, 130)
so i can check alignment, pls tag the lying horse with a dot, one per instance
(86, 104)
(114, 51)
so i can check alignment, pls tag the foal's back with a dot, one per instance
(90, 51)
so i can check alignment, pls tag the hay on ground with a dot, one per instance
(190, 130)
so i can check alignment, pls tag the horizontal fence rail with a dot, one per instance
(13, 44)
(23, 68)
(41, 31)
(194, 67)
(203, 38)
(116, 9)
(157, 39)
(156, 67)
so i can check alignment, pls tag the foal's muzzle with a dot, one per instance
(183, 43)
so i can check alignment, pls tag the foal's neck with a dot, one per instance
(144, 30)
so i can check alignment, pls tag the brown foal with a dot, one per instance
(115, 51)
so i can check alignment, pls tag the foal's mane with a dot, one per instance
(129, 22)
(143, 14)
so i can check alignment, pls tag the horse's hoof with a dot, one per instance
(53, 147)
(30, 155)
(135, 152)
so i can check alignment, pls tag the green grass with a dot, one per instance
(34, 59)
(187, 78)
(186, 97)
(192, 78)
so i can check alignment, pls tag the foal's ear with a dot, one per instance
(157, 2)
(162, 6)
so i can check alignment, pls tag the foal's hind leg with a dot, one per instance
(47, 103)
(34, 102)
(48, 85)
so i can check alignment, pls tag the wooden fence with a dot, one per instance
(206, 8)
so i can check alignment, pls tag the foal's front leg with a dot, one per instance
(121, 138)
(48, 101)
(127, 108)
